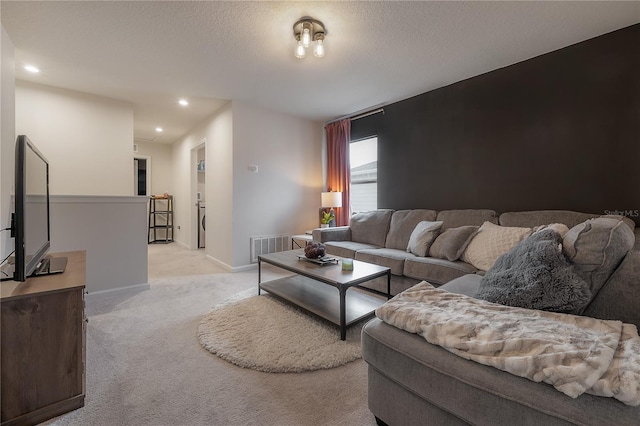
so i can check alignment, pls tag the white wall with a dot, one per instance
(7, 139)
(217, 132)
(219, 190)
(112, 230)
(161, 165)
(87, 139)
(284, 196)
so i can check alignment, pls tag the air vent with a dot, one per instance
(268, 244)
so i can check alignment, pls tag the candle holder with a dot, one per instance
(347, 264)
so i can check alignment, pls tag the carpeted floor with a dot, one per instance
(145, 366)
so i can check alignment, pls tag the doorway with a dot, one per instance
(198, 198)
(142, 175)
(201, 171)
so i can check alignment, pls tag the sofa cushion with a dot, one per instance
(370, 227)
(596, 247)
(422, 237)
(536, 275)
(529, 219)
(456, 218)
(451, 243)
(491, 242)
(346, 248)
(435, 271)
(403, 222)
(466, 284)
(399, 283)
(390, 258)
(619, 299)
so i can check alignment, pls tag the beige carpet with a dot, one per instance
(265, 334)
(145, 366)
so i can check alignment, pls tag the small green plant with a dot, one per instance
(327, 217)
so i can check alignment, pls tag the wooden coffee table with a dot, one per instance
(311, 287)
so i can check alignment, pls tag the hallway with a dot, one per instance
(172, 259)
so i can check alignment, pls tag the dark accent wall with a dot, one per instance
(559, 131)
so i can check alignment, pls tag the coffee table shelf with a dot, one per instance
(323, 300)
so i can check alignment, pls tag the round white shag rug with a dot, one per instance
(265, 334)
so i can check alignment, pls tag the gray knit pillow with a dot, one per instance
(596, 247)
(536, 275)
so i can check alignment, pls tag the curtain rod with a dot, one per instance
(359, 116)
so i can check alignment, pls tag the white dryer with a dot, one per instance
(201, 223)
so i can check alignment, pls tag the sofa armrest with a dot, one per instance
(337, 233)
(619, 298)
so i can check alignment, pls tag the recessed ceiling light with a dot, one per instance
(183, 102)
(159, 129)
(32, 69)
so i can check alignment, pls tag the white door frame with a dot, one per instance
(193, 232)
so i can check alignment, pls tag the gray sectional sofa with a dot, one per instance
(411, 381)
(382, 236)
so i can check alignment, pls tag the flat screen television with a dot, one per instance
(31, 225)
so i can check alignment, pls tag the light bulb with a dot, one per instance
(300, 50)
(318, 50)
(32, 69)
(306, 35)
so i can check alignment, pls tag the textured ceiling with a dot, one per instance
(152, 53)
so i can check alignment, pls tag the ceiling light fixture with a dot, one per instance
(32, 69)
(309, 32)
(183, 102)
(159, 129)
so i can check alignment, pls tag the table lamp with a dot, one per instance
(330, 200)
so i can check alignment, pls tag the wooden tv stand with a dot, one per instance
(43, 344)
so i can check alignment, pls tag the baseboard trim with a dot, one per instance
(245, 267)
(182, 244)
(230, 268)
(136, 288)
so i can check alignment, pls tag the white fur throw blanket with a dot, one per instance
(575, 354)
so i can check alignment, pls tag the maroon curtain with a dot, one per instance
(338, 168)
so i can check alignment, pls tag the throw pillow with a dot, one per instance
(452, 242)
(627, 220)
(491, 242)
(596, 247)
(422, 236)
(536, 275)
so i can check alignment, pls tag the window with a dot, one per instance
(363, 156)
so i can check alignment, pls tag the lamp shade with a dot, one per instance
(331, 199)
